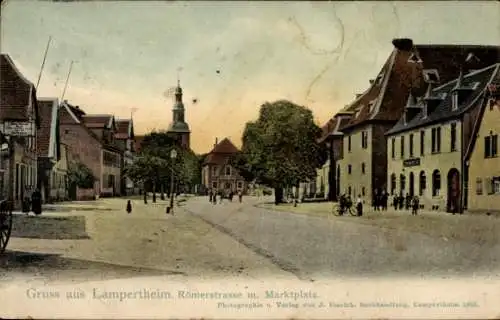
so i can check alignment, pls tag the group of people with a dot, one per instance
(32, 200)
(406, 202)
(213, 195)
(380, 203)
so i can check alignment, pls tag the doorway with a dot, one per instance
(453, 196)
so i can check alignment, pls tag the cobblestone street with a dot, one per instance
(76, 243)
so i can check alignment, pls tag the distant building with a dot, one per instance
(125, 140)
(91, 141)
(18, 103)
(178, 128)
(217, 172)
(482, 156)
(427, 145)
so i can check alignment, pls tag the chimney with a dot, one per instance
(403, 44)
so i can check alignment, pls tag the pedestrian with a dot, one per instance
(385, 197)
(231, 194)
(129, 207)
(375, 201)
(240, 195)
(408, 201)
(395, 202)
(214, 197)
(210, 196)
(415, 204)
(36, 202)
(359, 206)
(401, 200)
(220, 197)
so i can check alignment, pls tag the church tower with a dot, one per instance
(178, 127)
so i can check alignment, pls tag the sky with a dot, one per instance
(316, 54)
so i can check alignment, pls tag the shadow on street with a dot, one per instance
(45, 227)
(55, 267)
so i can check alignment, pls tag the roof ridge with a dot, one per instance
(470, 74)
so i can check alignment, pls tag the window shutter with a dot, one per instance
(488, 185)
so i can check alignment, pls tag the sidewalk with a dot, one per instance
(474, 228)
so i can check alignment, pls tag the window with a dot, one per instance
(393, 183)
(349, 143)
(349, 190)
(349, 169)
(436, 183)
(479, 186)
(402, 147)
(422, 183)
(227, 170)
(214, 170)
(496, 185)
(240, 185)
(453, 138)
(411, 145)
(393, 147)
(363, 168)
(491, 145)
(364, 139)
(422, 142)
(363, 191)
(436, 140)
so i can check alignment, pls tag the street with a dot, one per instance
(99, 241)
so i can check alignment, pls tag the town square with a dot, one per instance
(248, 141)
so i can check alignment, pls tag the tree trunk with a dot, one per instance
(162, 194)
(278, 196)
(154, 192)
(145, 194)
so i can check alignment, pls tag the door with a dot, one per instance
(453, 197)
(411, 187)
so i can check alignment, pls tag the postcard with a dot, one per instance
(249, 160)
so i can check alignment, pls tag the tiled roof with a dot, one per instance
(16, 92)
(47, 133)
(392, 92)
(96, 121)
(221, 152)
(480, 79)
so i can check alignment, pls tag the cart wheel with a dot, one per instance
(5, 224)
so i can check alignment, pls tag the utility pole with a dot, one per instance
(67, 79)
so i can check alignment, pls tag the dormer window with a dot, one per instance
(380, 78)
(372, 104)
(431, 76)
(454, 101)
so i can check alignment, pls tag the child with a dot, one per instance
(129, 207)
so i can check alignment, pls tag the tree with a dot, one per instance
(280, 148)
(146, 168)
(80, 175)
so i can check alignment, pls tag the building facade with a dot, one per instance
(364, 165)
(482, 156)
(427, 144)
(218, 173)
(18, 103)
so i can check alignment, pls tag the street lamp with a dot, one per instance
(173, 155)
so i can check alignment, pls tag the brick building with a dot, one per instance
(427, 145)
(91, 141)
(217, 172)
(18, 103)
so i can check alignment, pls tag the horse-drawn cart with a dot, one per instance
(5, 224)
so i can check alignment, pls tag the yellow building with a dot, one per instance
(426, 146)
(482, 156)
